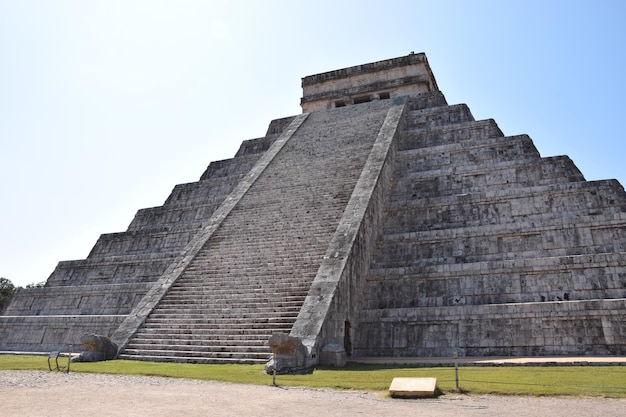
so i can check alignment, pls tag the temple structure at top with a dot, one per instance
(404, 76)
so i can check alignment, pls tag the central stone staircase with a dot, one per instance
(251, 277)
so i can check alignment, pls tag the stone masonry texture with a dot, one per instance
(382, 220)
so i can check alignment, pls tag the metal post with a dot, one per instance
(274, 370)
(456, 369)
(69, 359)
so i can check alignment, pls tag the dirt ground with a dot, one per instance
(34, 393)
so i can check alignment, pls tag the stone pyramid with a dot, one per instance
(380, 222)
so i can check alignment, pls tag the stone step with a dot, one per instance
(257, 339)
(492, 330)
(40, 333)
(208, 311)
(450, 133)
(195, 354)
(427, 100)
(207, 330)
(478, 151)
(199, 191)
(540, 265)
(533, 280)
(234, 305)
(212, 302)
(215, 333)
(472, 145)
(251, 291)
(170, 216)
(481, 297)
(199, 348)
(112, 270)
(243, 161)
(525, 170)
(474, 178)
(247, 261)
(183, 195)
(264, 279)
(146, 356)
(438, 116)
(256, 147)
(502, 310)
(603, 193)
(201, 323)
(440, 258)
(279, 232)
(212, 336)
(252, 277)
(499, 214)
(597, 223)
(77, 300)
(251, 258)
(251, 269)
(218, 317)
(508, 241)
(250, 331)
(207, 344)
(253, 253)
(142, 242)
(244, 318)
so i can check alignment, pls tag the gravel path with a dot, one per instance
(34, 393)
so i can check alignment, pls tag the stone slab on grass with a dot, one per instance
(413, 387)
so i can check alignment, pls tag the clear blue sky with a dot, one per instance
(106, 105)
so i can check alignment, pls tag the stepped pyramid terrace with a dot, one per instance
(382, 221)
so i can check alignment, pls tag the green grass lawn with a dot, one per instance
(601, 381)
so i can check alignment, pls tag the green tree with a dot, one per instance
(6, 292)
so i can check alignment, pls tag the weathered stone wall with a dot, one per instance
(569, 278)
(489, 249)
(591, 327)
(49, 333)
(76, 300)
